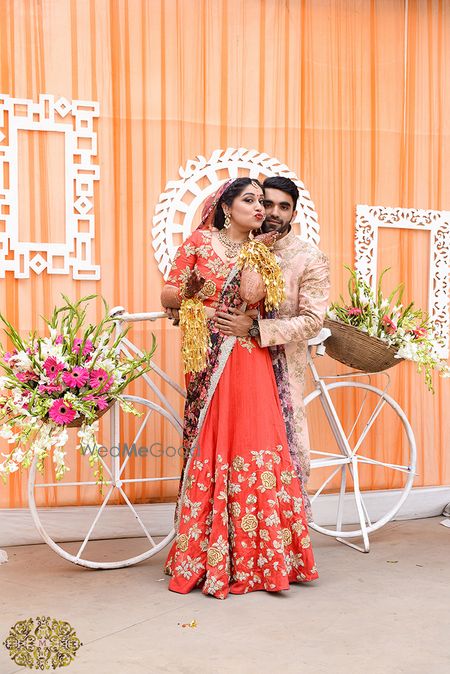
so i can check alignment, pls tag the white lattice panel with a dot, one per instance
(369, 219)
(75, 119)
(182, 198)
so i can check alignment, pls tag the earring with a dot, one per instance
(227, 221)
(251, 236)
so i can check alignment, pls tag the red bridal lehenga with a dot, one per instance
(241, 523)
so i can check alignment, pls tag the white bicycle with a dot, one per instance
(346, 450)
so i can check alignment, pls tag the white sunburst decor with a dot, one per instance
(75, 120)
(200, 177)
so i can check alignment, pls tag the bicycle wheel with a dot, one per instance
(361, 442)
(137, 476)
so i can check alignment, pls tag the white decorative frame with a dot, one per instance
(368, 221)
(76, 252)
(181, 199)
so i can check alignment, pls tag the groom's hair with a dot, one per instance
(285, 185)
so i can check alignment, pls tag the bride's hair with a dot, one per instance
(234, 190)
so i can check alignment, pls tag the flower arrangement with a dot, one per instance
(66, 379)
(406, 329)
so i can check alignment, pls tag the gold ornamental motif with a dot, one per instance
(209, 288)
(214, 556)
(305, 542)
(182, 542)
(286, 477)
(286, 536)
(268, 479)
(249, 522)
(42, 643)
(238, 462)
(235, 509)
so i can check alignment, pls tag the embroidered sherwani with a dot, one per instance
(306, 273)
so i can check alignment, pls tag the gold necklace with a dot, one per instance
(232, 248)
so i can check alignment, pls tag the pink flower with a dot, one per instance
(389, 326)
(50, 388)
(354, 311)
(101, 401)
(59, 339)
(77, 377)
(420, 332)
(99, 379)
(26, 376)
(9, 354)
(52, 367)
(61, 412)
(88, 347)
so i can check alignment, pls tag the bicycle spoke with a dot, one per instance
(379, 406)
(366, 393)
(393, 466)
(320, 490)
(96, 519)
(137, 517)
(138, 435)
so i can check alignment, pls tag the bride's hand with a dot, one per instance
(268, 239)
(193, 285)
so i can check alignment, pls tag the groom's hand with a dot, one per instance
(235, 323)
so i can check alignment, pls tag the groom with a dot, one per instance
(300, 317)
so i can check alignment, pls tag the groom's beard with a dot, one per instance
(275, 226)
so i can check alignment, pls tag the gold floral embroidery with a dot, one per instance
(286, 476)
(209, 289)
(182, 542)
(268, 479)
(249, 522)
(246, 343)
(298, 527)
(214, 556)
(238, 463)
(305, 542)
(235, 509)
(286, 536)
(217, 267)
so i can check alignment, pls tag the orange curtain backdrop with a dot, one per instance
(352, 95)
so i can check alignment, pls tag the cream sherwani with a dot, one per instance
(300, 317)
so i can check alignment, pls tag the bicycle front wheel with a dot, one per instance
(363, 450)
(125, 522)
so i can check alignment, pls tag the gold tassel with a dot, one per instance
(193, 322)
(255, 255)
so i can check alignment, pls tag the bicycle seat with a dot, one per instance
(320, 338)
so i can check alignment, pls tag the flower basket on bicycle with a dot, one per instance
(357, 349)
(372, 333)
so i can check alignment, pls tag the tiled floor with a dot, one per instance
(385, 612)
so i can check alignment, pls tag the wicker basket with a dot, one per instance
(76, 423)
(357, 349)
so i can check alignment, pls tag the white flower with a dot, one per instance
(18, 455)
(49, 349)
(6, 432)
(12, 467)
(21, 361)
(61, 440)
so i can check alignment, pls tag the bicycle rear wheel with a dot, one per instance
(361, 443)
